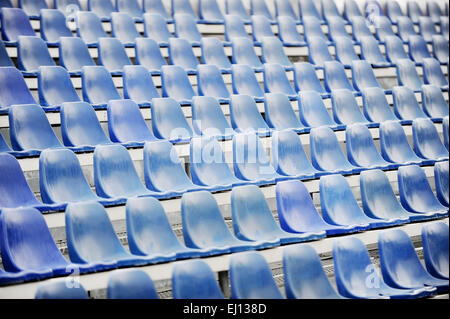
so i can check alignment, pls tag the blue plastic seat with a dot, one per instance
(4, 147)
(243, 52)
(276, 80)
(435, 249)
(416, 194)
(168, 120)
(345, 52)
(186, 27)
(131, 7)
(441, 182)
(205, 228)
(318, 52)
(208, 166)
(89, 28)
(329, 10)
(155, 7)
(406, 106)
(194, 279)
(74, 54)
(393, 11)
(336, 29)
(427, 28)
(59, 289)
(126, 123)
(181, 54)
(251, 277)
(405, 28)
(379, 200)
(213, 53)
(304, 277)
(53, 25)
(413, 10)
(433, 103)
(272, 52)
(209, 11)
(234, 27)
(32, 52)
(352, 265)
(149, 55)
(5, 60)
(163, 170)
(363, 76)
(208, 118)
(427, 143)
(287, 32)
(305, 78)
(432, 73)
(67, 6)
(433, 11)
(359, 28)
(308, 9)
(102, 8)
(175, 84)
(31, 7)
(407, 75)
(130, 284)
(123, 28)
(345, 108)
(417, 48)
(279, 114)
(138, 84)
(444, 23)
(112, 55)
(91, 237)
(370, 51)
(236, 7)
(394, 49)
(440, 48)
(289, 157)
(182, 7)
(244, 81)
(155, 28)
(401, 267)
(245, 116)
(14, 23)
(13, 88)
(80, 126)
(29, 129)
(445, 133)
(351, 10)
(98, 85)
(326, 154)
(55, 86)
(312, 29)
(312, 110)
(259, 7)
(284, 8)
(335, 77)
(261, 27)
(384, 28)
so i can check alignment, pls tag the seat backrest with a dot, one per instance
(53, 25)
(58, 289)
(435, 246)
(305, 78)
(278, 112)
(312, 110)
(406, 106)
(155, 7)
(123, 27)
(13, 88)
(426, 140)
(433, 102)
(261, 27)
(184, 7)
(55, 86)
(89, 27)
(168, 120)
(434, 11)
(427, 27)
(244, 52)
(287, 30)
(405, 28)
(371, 52)
(130, 284)
(351, 10)
(112, 54)
(244, 114)
(384, 28)
(32, 52)
(335, 77)
(234, 27)
(284, 8)
(275, 79)
(418, 49)
(14, 23)
(432, 72)
(259, 7)
(273, 52)
(326, 154)
(244, 81)
(394, 143)
(181, 53)
(98, 85)
(363, 76)
(361, 149)
(440, 47)
(318, 51)
(131, 7)
(312, 28)
(102, 8)
(236, 7)
(186, 27)
(138, 84)
(213, 52)
(209, 10)
(31, 7)
(345, 108)
(175, 83)
(359, 28)
(394, 49)
(155, 27)
(393, 11)
(344, 51)
(336, 27)
(308, 9)
(329, 10)
(208, 118)
(375, 105)
(74, 54)
(407, 74)
(148, 54)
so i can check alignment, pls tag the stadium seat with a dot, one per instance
(312, 110)
(209, 11)
(251, 277)
(445, 129)
(131, 7)
(5, 60)
(370, 51)
(435, 249)
(326, 154)
(130, 284)
(163, 170)
(308, 9)
(313, 29)
(440, 48)
(413, 11)
(115, 174)
(102, 8)
(363, 76)
(245, 116)
(375, 105)
(433, 11)
(250, 161)
(418, 49)
(175, 84)
(155, 28)
(89, 28)
(55, 86)
(394, 144)
(304, 277)
(208, 118)
(155, 7)
(360, 28)
(58, 289)
(243, 52)
(138, 84)
(30, 129)
(67, 6)
(433, 103)
(4, 147)
(336, 29)
(14, 23)
(335, 77)
(74, 54)
(244, 81)
(208, 166)
(345, 108)
(383, 28)
(393, 11)
(284, 8)
(205, 228)
(92, 238)
(352, 265)
(53, 26)
(329, 10)
(112, 55)
(213, 53)
(13, 88)
(298, 214)
(427, 28)
(272, 52)
(236, 7)
(182, 7)
(234, 27)
(186, 27)
(149, 55)
(405, 28)
(361, 149)
(259, 7)
(98, 85)
(444, 27)
(32, 8)
(123, 28)
(416, 194)
(407, 75)
(401, 267)
(279, 114)
(287, 32)
(427, 143)
(261, 27)
(80, 126)
(168, 120)
(194, 279)
(406, 106)
(394, 49)
(432, 73)
(441, 182)
(351, 10)
(126, 123)
(305, 78)
(276, 80)
(181, 54)
(32, 52)
(318, 52)
(345, 52)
